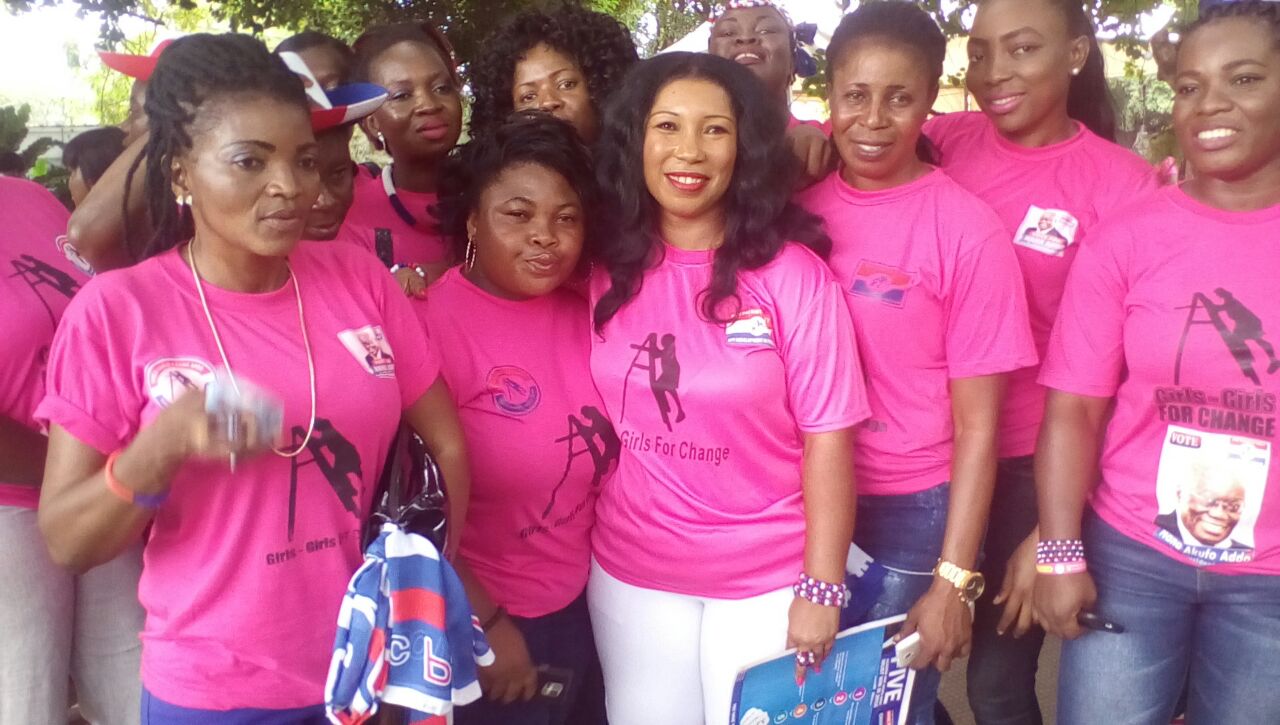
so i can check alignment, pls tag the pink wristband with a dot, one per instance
(1066, 567)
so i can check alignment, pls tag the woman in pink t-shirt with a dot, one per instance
(59, 626)
(566, 61)
(1041, 154)
(417, 127)
(725, 357)
(253, 497)
(758, 35)
(514, 347)
(914, 251)
(1164, 379)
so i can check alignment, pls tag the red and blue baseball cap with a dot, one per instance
(135, 66)
(337, 106)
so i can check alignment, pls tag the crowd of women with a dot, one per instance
(673, 350)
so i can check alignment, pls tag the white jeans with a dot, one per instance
(59, 627)
(673, 658)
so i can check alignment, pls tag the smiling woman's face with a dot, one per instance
(690, 148)
(757, 38)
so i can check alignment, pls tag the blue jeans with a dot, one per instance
(1002, 669)
(563, 640)
(1181, 623)
(158, 712)
(904, 534)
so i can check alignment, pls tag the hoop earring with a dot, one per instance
(469, 255)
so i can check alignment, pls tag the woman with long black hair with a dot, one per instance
(1042, 154)
(217, 395)
(725, 356)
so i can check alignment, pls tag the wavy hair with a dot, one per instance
(759, 215)
(529, 137)
(192, 71)
(1267, 13)
(599, 44)
(901, 23)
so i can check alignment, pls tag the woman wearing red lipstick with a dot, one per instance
(418, 126)
(253, 502)
(759, 36)
(725, 356)
(1161, 415)
(514, 348)
(1041, 155)
(914, 251)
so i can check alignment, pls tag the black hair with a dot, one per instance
(93, 151)
(759, 215)
(1266, 12)
(599, 44)
(1089, 97)
(380, 38)
(529, 137)
(902, 23)
(192, 71)
(309, 39)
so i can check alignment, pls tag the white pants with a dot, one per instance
(59, 627)
(673, 658)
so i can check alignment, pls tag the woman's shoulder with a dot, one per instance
(946, 129)
(795, 274)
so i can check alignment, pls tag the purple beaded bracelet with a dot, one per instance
(821, 593)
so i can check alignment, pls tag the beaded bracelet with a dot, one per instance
(415, 267)
(821, 593)
(1060, 556)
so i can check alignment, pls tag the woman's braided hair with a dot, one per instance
(192, 71)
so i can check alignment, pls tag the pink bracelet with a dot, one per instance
(821, 593)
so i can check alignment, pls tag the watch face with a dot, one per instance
(974, 587)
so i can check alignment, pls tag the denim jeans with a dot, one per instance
(563, 640)
(1002, 669)
(1181, 622)
(904, 534)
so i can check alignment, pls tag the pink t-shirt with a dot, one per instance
(930, 258)
(373, 223)
(1049, 199)
(707, 499)
(1172, 309)
(38, 275)
(244, 573)
(539, 445)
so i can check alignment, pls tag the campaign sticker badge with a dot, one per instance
(369, 346)
(1048, 231)
(882, 282)
(168, 378)
(751, 327)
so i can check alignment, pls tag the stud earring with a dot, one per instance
(1075, 71)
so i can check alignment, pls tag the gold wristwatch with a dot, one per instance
(969, 584)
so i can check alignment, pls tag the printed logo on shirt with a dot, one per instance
(1209, 490)
(656, 356)
(370, 348)
(600, 443)
(338, 461)
(513, 390)
(169, 378)
(1048, 231)
(881, 282)
(41, 277)
(1236, 325)
(750, 328)
(73, 255)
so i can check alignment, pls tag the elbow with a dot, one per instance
(80, 238)
(63, 547)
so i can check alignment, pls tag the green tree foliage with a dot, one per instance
(13, 132)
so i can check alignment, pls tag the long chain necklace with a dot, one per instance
(217, 339)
